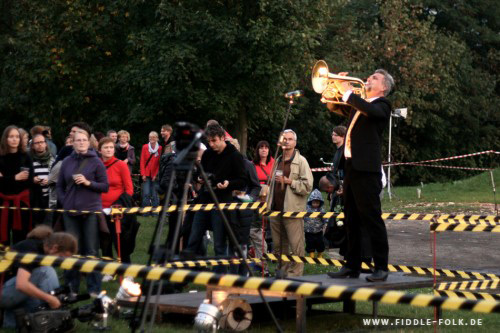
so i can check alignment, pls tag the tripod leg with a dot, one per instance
(234, 241)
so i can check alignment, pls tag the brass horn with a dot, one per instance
(325, 83)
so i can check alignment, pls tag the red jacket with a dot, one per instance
(151, 170)
(267, 168)
(119, 181)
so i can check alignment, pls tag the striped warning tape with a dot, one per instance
(448, 167)
(467, 295)
(423, 163)
(437, 227)
(36, 209)
(192, 208)
(255, 283)
(471, 222)
(321, 169)
(446, 158)
(157, 209)
(466, 285)
(327, 169)
(450, 273)
(390, 216)
(262, 205)
(210, 262)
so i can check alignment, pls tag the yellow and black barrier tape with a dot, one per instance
(448, 273)
(437, 218)
(467, 295)
(437, 227)
(191, 208)
(468, 285)
(210, 262)
(472, 222)
(151, 209)
(255, 283)
(440, 272)
(53, 210)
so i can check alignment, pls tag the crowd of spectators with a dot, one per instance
(92, 172)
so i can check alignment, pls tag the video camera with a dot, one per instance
(46, 320)
(184, 134)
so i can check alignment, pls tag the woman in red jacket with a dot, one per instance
(120, 182)
(263, 161)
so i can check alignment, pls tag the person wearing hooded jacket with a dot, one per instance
(314, 226)
(82, 180)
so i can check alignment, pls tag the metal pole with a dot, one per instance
(389, 160)
(494, 190)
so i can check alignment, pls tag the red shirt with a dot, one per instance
(151, 170)
(263, 167)
(119, 180)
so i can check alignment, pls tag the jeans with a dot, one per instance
(44, 278)
(203, 221)
(86, 230)
(150, 193)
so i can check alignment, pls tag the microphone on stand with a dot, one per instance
(294, 94)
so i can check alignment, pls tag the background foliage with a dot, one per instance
(138, 64)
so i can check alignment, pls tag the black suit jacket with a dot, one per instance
(366, 135)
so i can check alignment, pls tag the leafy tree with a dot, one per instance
(434, 79)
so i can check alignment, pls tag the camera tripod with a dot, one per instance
(183, 166)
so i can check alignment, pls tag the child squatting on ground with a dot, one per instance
(314, 227)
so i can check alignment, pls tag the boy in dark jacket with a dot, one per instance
(314, 226)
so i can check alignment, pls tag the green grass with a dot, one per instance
(453, 197)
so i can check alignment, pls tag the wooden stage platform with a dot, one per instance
(282, 302)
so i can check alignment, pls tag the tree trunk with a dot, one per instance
(242, 134)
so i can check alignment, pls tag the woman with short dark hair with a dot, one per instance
(16, 178)
(263, 161)
(120, 184)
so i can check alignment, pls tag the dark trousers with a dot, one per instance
(201, 223)
(86, 230)
(363, 209)
(315, 242)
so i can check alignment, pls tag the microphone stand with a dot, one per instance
(279, 273)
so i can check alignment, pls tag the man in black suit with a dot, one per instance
(362, 179)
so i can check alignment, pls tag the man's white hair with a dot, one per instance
(291, 131)
(388, 80)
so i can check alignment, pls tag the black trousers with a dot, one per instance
(363, 209)
(315, 242)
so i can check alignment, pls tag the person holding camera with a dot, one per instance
(31, 285)
(16, 179)
(226, 170)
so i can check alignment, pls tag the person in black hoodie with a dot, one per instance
(225, 167)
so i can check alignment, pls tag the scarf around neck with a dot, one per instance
(153, 151)
(43, 158)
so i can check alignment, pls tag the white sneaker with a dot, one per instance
(107, 278)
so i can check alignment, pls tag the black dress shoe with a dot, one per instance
(378, 276)
(344, 273)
